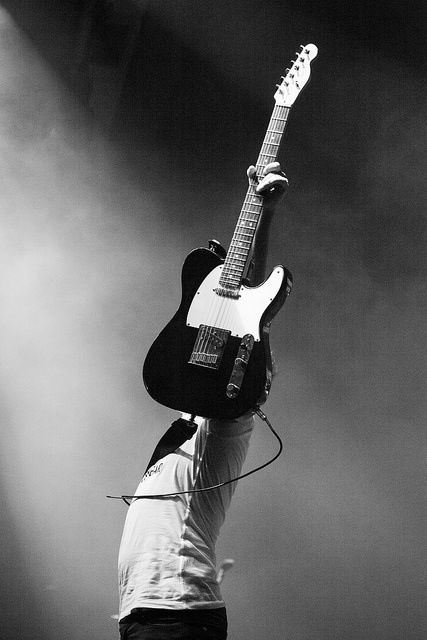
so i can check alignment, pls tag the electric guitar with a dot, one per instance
(213, 358)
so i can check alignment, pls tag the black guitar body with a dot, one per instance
(198, 390)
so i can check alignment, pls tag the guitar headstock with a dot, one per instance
(297, 76)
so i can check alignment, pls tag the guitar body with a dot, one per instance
(200, 387)
(213, 358)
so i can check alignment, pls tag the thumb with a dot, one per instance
(251, 173)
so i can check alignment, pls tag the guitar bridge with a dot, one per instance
(209, 347)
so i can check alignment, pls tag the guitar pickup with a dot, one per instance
(209, 346)
(240, 364)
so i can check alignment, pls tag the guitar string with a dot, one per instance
(235, 259)
(220, 311)
(207, 332)
(224, 307)
(235, 268)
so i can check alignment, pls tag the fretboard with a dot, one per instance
(237, 257)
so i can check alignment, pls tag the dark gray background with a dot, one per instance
(97, 216)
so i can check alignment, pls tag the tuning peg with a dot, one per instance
(301, 46)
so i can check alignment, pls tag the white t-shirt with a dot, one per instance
(167, 552)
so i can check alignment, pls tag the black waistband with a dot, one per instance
(211, 617)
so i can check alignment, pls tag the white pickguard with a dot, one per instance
(239, 316)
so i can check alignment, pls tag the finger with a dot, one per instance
(273, 181)
(272, 167)
(251, 172)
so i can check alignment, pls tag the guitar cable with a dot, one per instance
(263, 417)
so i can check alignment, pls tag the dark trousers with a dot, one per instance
(169, 624)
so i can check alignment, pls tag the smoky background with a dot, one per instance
(95, 224)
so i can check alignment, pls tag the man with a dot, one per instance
(168, 583)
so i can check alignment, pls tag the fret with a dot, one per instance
(244, 233)
(230, 269)
(243, 252)
(237, 255)
(239, 245)
(255, 215)
(276, 144)
(231, 279)
(236, 245)
(237, 250)
(240, 236)
(240, 241)
(231, 273)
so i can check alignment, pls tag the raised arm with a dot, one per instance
(272, 187)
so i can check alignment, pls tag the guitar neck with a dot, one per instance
(237, 256)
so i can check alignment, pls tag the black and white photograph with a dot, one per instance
(213, 312)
